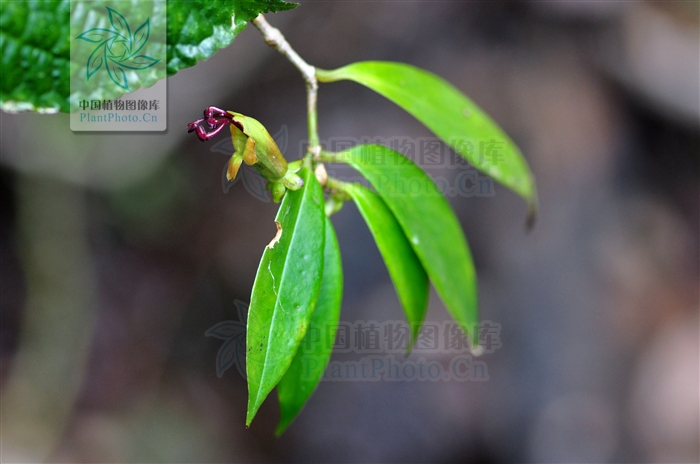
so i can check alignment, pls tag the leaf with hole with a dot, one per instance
(285, 290)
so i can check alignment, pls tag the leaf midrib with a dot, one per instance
(306, 197)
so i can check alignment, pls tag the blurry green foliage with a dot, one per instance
(35, 43)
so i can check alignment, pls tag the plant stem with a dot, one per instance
(337, 195)
(328, 156)
(274, 38)
(335, 184)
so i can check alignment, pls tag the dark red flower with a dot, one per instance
(211, 124)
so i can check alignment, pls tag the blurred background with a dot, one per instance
(120, 250)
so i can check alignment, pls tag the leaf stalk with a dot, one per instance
(274, 38)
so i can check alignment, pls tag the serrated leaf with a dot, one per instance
(310, 361)
(429, 223)
(285, 290)
(196, 32)
(35, 44)
(405, 269)
(453, 117)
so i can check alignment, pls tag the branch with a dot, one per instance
(274, 38)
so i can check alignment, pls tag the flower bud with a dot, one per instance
(253, 145)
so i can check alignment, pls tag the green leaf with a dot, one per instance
(285, 290)
(447, 112)
(309, 364)
(429, 223)
(197, 29)
(405, 269)
(35, 43)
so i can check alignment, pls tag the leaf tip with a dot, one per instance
(415, 330)
(288, 6)
(250, 415)
(477, 350)
(281, 427)
(253, 404)
(531, 218)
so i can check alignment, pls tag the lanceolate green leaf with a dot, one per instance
(405, 269)
(449, 114)
(310, 362)
(429, 223)
(285, 290)
(35, 43)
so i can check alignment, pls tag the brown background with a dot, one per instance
(120, 250)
